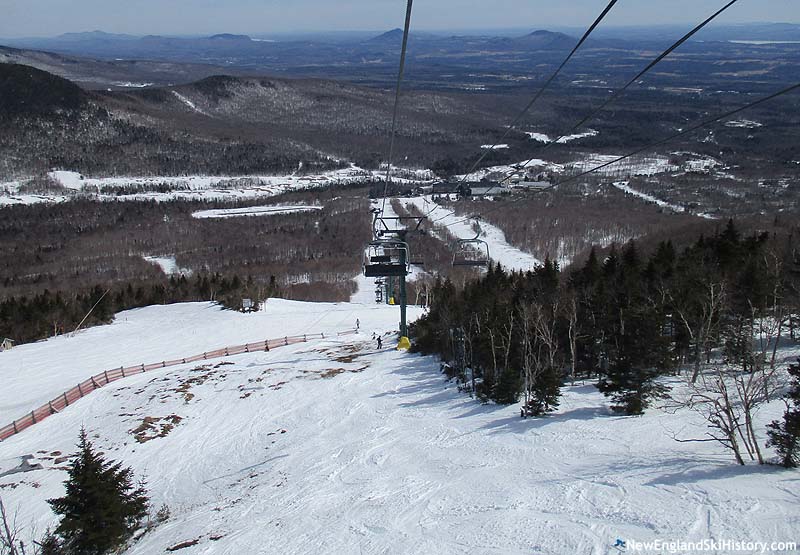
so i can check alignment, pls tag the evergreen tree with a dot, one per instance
(102, 506)
(50, 545)
(507, 388)
(634, 324)
(785, 435)
(545, 391)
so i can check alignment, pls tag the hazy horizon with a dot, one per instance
(49, 18)
(376, 31)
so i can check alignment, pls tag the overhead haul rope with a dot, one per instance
(619, 92)
(397, 102)
(691, 129)
(544, 87)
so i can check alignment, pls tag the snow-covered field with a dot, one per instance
(494, 147)
(543, 138)
(253, 211)
(189, 187)
(632, 166)
(744, 124)
(334, 447)
(168, 265)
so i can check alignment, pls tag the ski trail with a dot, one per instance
(509, 256)
(189, 103)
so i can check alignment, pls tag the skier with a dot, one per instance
(380, 343)
(358, 324)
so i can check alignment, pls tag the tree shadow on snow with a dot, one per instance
(517, 424)
(427, 386)
(716, 470)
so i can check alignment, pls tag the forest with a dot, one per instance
(57, 261)
(627, 319)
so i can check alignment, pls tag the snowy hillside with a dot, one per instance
(334, 447)
(499, 250)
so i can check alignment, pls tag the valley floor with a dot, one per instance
(334, 447)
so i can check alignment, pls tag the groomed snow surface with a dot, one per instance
(334, 447)
(500, 250)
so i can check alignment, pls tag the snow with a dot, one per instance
(132, 85)
(626, 188)
(334, 447)
(494, 147)
(542, 138)
(505, 170)
(744, 124)
(647, 166)
(202, 187)
(192, 106)
(68, 179)
(168, 265)
(35, 373)
(500, 250)
(254, 211)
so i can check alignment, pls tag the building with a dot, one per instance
(6, 345)
(533, 185)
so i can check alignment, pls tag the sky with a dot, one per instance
(29, 18)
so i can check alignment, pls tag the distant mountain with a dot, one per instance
(92, 36)
(394, 35)
(228, 36)
(112, 74)
(26, 91)
(436, 61)
(546, 40)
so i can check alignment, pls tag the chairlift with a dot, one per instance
(386, 258)
(471, 252)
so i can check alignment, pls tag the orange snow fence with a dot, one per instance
(106, 377)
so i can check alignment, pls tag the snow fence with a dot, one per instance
(106, 377)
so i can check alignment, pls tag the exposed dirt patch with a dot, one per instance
(187, 384)
(153, 427)
(332, 372)
(184, 545)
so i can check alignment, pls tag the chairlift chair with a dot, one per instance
(386, 258)
(471, 252)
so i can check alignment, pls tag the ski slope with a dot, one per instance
(500, 250)
(334, 447)
(35, 373)
(195, 187)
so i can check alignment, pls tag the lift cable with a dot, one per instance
(618, 93)
(650, 146)
(539, 93)
(641, 74)
(397, 102)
